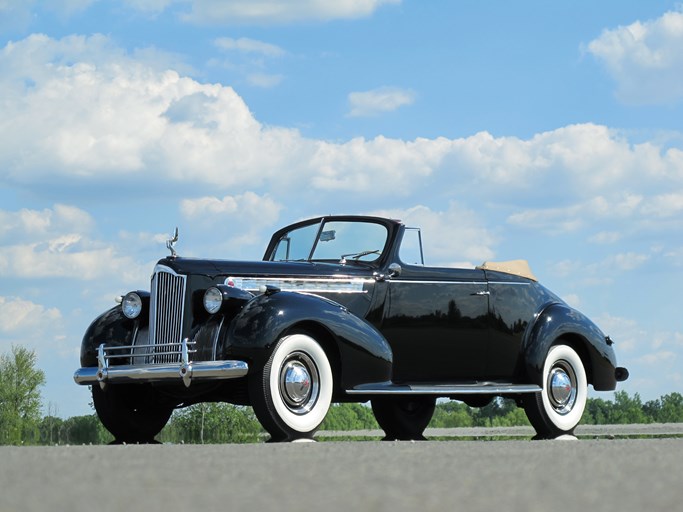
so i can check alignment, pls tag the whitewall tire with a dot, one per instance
(558, 408)
(293, 392)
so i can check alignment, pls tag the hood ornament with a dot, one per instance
(170, 243)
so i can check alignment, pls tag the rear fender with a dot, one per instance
(560, 323)
(364, 354)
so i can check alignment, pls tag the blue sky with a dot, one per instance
(549, 131)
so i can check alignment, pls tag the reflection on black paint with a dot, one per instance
(437, 331)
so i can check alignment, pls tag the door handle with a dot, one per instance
(482, 293)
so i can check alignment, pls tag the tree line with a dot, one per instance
(21, 422)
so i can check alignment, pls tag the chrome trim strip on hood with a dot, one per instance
(307, 285)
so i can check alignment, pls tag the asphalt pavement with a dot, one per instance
(599, 474)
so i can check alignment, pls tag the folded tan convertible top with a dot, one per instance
(516, 267)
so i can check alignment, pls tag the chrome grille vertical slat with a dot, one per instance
(166, 313)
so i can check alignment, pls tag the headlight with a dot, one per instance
(131, 305)
(213, 300)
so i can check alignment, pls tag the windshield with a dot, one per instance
(340, 241)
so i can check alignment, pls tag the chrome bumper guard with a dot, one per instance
(185, 370)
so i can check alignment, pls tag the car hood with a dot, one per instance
(215, 268)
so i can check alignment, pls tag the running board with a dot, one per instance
(486, 388)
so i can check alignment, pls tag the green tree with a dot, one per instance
(349, 416)
(667, 409)
(515, 417)
(20, 383)
(597, 412)
(84, 430)
(500, 412)
(212, 423)
(451, 414)
(50, 428)
(627, 410)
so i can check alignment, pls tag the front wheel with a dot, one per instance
(403, 418)
(558, 408)
(292, 393)
(132, 413)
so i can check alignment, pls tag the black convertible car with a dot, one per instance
(342, 308)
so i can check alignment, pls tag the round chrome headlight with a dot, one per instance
(131, 305)
(213, 300)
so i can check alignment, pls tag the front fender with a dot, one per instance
(364, 354)
(111, 327)
(561, 321)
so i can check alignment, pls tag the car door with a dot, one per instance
(437, 323)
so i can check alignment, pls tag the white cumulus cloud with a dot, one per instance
(56, 243)
(378, 101)
(380, 164)
(82, 111)
(284, 11)
(468, 245)
(233, 223)
(244, 44)
(571, 218)
(80, 108)
(247, 206)
(27, 224)
(645, 59)
(26, 323)
(18, 315)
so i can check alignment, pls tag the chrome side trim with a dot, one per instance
(309, 285)
(513, 283)
(426, 281)
(484, 388)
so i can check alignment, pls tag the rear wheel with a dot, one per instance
(403, 418)
(292, 393)
(558, 408)
(133, 413)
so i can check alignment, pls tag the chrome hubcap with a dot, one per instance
(562, 388)
(299, 383)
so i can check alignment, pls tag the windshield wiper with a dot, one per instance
(357, 255)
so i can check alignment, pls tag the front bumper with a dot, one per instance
(185, 370)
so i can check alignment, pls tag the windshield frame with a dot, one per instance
(391, 227)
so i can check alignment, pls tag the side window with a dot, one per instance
(411, 247)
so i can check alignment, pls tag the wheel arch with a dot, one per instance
(581, 347)
(357, 350)
(327, 341)
(558, 324)
(112, 328)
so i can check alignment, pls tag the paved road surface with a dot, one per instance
(520, 475)
(583, 431)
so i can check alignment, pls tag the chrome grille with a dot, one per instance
(167, 305)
